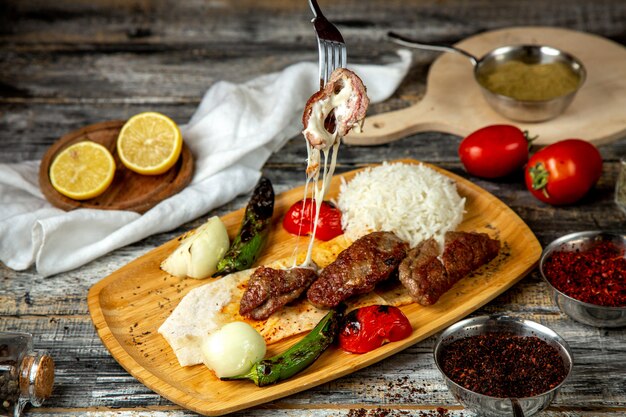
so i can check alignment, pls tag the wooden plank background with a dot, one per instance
(64, 64)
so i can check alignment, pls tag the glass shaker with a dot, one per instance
(620, 186)
(25, 375)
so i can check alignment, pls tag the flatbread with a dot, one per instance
(207, 308)
(200, 312)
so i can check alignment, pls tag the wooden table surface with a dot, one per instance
(65, 64)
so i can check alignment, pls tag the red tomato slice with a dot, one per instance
(368, 328)
(301, 215)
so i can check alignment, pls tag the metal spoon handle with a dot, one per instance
(404, 41)
(517, 409)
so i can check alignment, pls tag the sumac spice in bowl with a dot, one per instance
(501, 365)
(587, 274)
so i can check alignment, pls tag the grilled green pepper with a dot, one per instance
(252, 235)
(297, 357)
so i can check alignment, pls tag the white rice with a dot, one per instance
(413, 201)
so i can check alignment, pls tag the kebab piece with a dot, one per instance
(369, 260)
(331, 113)
(270, 289)
(427, 276)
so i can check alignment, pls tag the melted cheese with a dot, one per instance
(319, 191)
(320, 111)
(328, 148)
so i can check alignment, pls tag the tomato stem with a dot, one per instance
(529, 138)
(539, 176)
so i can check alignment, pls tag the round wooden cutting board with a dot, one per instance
(453, 102)
(129, 190)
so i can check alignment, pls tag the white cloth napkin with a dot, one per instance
(231, 135)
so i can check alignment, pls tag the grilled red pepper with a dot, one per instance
(368, 328)
(301, 215)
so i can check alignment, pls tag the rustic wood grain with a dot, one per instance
(69, 63)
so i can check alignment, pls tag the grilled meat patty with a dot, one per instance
(269, 289)
(427, 277)
(368, 261)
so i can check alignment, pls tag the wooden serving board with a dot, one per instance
(128, 307)
(129, 190)
(453, 102)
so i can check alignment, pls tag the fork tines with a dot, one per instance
(332, 56)
(332, 48)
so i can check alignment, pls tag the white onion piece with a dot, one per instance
(198, 255)
(233, 349)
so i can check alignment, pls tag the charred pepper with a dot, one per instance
(368, 328)
(298, 357)
(252, 235)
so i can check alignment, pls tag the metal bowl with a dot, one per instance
(485, 405)
(520, 110)
(586, 313)
(526, 110)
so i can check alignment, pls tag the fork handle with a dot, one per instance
(315, 8)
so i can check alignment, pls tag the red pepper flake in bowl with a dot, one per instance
(596, 275)
(503, 365)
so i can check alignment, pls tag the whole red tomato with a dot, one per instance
(562, 173)
(368, 328)
(301, 215)
(494, 151)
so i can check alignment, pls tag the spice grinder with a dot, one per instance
(522, 110)
(489, 406)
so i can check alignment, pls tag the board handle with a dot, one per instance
(391, 126)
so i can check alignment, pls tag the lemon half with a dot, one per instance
(82, 171)
(149, 143)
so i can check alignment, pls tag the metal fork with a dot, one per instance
(332, 48)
